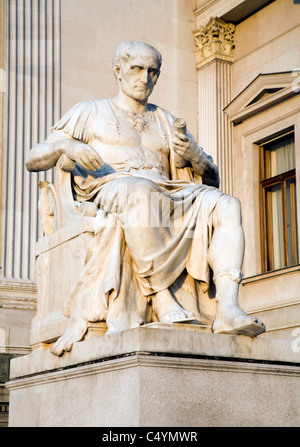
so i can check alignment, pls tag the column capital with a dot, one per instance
(215, 40)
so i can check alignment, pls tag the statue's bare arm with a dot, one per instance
(202, 164)
(44, 156)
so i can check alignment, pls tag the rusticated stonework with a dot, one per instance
(215, 40)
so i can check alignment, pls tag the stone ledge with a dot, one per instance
(143, 359)
(18, 294)
(156, 390)
(161, 339)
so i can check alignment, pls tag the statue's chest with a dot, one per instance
(135, 132)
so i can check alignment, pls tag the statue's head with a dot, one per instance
(136, 66)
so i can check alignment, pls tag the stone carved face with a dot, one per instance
(215, 31)
(138, 74)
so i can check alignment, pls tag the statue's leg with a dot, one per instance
(145, 235)
(230, 318)
(225, 256)
(168, 310)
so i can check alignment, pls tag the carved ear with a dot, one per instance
(157, 77)
(117, 72)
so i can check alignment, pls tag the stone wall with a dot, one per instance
(91, 32)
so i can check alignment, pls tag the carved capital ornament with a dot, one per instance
(214, 41)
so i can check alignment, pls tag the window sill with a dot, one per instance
(270, 275)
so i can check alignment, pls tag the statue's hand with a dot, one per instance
(83, 154)
(186, 147)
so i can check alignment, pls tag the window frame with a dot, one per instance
(252, 126)
(267, 248)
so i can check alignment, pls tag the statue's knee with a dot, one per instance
(234, 205)
(229, 209)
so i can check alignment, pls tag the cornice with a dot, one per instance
(18, 294)
(234, 11)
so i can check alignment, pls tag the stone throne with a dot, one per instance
(61, 254)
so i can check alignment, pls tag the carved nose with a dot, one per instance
(144, 76)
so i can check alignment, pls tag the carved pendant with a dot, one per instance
(138, 122)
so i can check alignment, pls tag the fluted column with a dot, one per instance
(3, 100)
(214, 44)
(32, 75)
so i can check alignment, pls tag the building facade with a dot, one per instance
(231, 68)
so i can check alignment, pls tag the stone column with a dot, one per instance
(3, 115)
(32, 88)
(214, 44)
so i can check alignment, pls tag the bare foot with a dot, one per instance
(233, 320)
(75, 331)
(169, 311)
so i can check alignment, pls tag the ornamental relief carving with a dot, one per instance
(215, 40)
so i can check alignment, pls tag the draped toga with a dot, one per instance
(153, 225)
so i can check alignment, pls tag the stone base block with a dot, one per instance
(158, 376)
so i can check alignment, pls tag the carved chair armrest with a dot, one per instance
(67, 208)
(57, 206)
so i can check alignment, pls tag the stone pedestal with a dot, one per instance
(159, 375)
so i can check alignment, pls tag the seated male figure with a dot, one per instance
(163, 224)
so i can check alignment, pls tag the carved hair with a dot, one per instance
(128, 49)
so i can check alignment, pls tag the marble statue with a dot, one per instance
(168, 244)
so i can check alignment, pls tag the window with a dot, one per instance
(4, 414)
(278, 203)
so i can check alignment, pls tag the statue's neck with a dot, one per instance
(128, 104)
